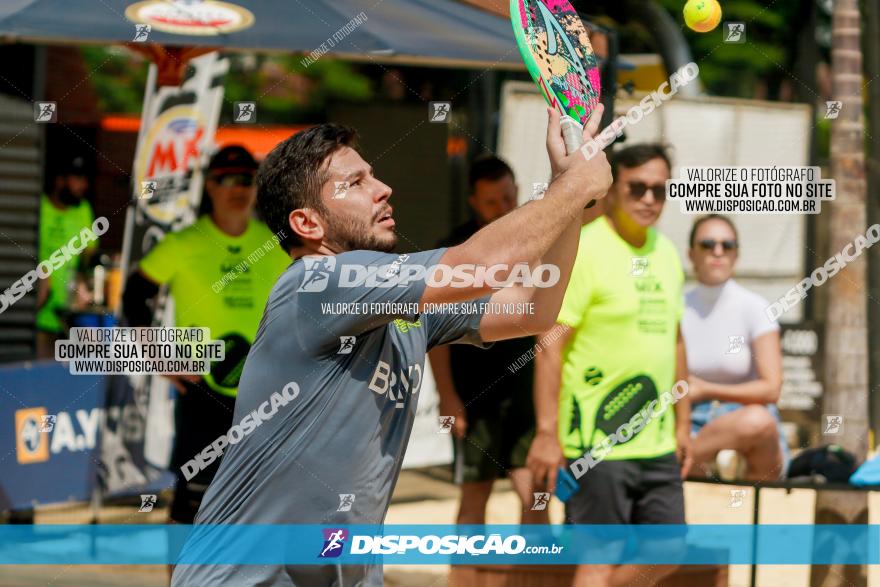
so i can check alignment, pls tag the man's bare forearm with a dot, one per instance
(682, 406)
(683, 413)
(441, 367)
(757, 391)
(528, 233)
(548, 378)
(548, 300)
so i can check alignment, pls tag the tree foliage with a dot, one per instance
(285, 90)
(755, 68)
(732, 69)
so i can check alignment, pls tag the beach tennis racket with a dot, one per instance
(556, 50)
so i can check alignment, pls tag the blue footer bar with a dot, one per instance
(439, 544)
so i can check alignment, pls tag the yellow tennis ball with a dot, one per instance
(702, 15)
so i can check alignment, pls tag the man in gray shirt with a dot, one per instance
(328, 395)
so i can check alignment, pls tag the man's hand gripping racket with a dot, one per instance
(562, 158)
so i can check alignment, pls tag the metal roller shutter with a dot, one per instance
(20, 186)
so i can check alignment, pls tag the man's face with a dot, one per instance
(493, 198)
(77, 184)
(232, 193)
(356, 209)
(640, 192)
(71, 189)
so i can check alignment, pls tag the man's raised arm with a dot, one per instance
(528, 232)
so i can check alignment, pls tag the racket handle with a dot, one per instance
(573, 135)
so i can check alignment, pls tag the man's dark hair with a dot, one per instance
(700, 221)
(638, 155)
(291, 176)
(487, 167)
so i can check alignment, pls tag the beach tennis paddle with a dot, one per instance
(556, 50)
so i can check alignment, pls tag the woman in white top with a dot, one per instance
(734, 358)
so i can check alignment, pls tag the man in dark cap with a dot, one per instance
(63, 214)
(219, 271)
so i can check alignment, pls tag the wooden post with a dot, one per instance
(846, 337)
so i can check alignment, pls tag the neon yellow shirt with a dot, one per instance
(624, 304)
(216, 286)
(57, 227)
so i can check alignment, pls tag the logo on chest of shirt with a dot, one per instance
(403, 326)
(646, 281)
(396, 385)
(234, 265)
(649, 285)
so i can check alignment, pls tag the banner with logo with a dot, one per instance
(190, 17)
(49, 429)
(177, 126)
(177, 130)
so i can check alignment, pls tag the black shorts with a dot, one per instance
(201, 415)
(187, 500)
(495, 443)
(641, 491)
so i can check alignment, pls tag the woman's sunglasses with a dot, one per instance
(638, 190)
(709, 244)
(232, 180)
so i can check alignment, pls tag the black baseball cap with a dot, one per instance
(75, 166)
(232, 159)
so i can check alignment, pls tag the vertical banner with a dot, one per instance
(177, 129)
(177, 125)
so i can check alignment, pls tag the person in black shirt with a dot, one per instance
(492, 404)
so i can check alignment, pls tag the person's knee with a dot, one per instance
(757, 424)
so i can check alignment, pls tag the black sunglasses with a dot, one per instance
(232, 180)
(709, 244)
(638, 189)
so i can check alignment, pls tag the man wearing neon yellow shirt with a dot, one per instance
(219, 271)
(615, 353)
(63, 214)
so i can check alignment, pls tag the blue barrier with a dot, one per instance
(69, 435)
(50, 422)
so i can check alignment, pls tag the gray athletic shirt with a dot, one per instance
(347, 430)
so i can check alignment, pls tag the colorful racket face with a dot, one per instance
(556, 50)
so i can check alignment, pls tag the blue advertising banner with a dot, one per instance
(69, 434)
(440, 544)
(49, 424)
(125, 467)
